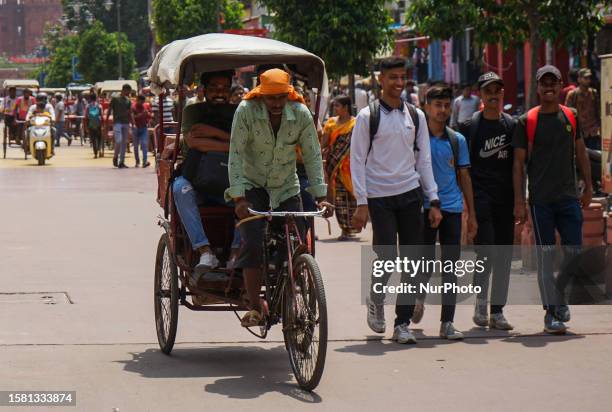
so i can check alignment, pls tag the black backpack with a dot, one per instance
(375, 121)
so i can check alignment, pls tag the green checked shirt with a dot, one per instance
(258, 159)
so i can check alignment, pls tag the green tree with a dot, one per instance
(346, 34)
(509, 22)
(99, 52)
(181, 19)
(133, 18)
(59, 68)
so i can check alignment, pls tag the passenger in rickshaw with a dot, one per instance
(268, 124)
(206, 127)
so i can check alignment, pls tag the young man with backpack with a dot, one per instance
(451, 162)
(585, 100)
(548, 139)
(489, 134)
(390, 161)
(93, 124)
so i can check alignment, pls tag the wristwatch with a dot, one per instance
(435, 203)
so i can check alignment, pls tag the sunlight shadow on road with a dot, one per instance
(543, 339)
(243, 372)
(375, 346)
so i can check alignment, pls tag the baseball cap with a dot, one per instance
(548, 69)
(585, 73)
(488, 78)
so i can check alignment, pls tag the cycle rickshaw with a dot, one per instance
(16, 134)
(293, 287)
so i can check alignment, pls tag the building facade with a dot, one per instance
(22, 24)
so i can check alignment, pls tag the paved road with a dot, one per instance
(84, 235)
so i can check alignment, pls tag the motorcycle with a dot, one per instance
(40, 138)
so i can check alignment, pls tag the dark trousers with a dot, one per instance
(394, 218)
(449, 234)
(565, 216)
(494, 242)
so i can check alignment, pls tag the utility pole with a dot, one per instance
(118, 4)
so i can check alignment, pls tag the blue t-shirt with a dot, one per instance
(442, 160)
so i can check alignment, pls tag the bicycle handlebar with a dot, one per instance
(318, 213)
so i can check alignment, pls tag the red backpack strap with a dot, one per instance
(532, 124)
(569, 114)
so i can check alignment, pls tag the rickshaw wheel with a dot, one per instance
(305, 323)
(166, 296)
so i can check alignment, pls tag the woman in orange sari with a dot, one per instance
(337, 142)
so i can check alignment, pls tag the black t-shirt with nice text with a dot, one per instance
(491, 157)
(551, 165)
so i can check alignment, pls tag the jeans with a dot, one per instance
(59, 132)
(141, 138)
(449, 232)
(95, 135)
(121, 138)
(393, 217)
(494, 242)
(566, 217)
(187, 200)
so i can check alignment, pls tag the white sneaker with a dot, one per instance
(498, 321)
(481, 313)
(448, 331)
(401, 334)
(207, 261)
(376, 316)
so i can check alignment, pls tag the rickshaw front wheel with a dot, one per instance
(305, 322)
(166, 298)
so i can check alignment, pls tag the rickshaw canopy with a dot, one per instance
(52, 90)
(115, 85)
(21, 83)
(178, 62)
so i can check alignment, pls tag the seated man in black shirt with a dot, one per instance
(206, 128)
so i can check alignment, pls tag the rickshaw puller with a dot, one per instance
(268, 124)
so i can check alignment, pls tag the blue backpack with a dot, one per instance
(94, 116)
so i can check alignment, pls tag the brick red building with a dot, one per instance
(22, 23)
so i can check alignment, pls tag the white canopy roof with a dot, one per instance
(178, 62)
(21, 83)
(115, 85)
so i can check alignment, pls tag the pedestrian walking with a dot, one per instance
(93, 124)
(464, 106)
(60, 120)
(337, 139)
(489, 134)
(167, 112)
(387, 172)
(141, 132)
(121, 109)
(549, 140)
(451, 161)
(585, 100)
(573, 83)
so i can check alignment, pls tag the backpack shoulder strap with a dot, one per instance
(414, 115)
(454, 142)
(532, 124)
(569, 114)
(474, 125)
(374, 106)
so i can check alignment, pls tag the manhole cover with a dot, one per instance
(45, 298)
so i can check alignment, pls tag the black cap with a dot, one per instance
(548, 69)
(488, 78)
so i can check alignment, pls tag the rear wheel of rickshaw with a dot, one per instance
(305, 323)
(166, 296)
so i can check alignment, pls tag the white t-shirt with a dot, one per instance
(60, 108)
(48, 109)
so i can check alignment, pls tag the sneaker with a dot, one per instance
(137, 164)
(147, 164)
(401, 334)
(563, 313)
(376, 316)
(123, 166)
(115, 162)
(498, 321)
(419, 310)
(207, 261)
(448, 331)
(481, 315)
(553, 326)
